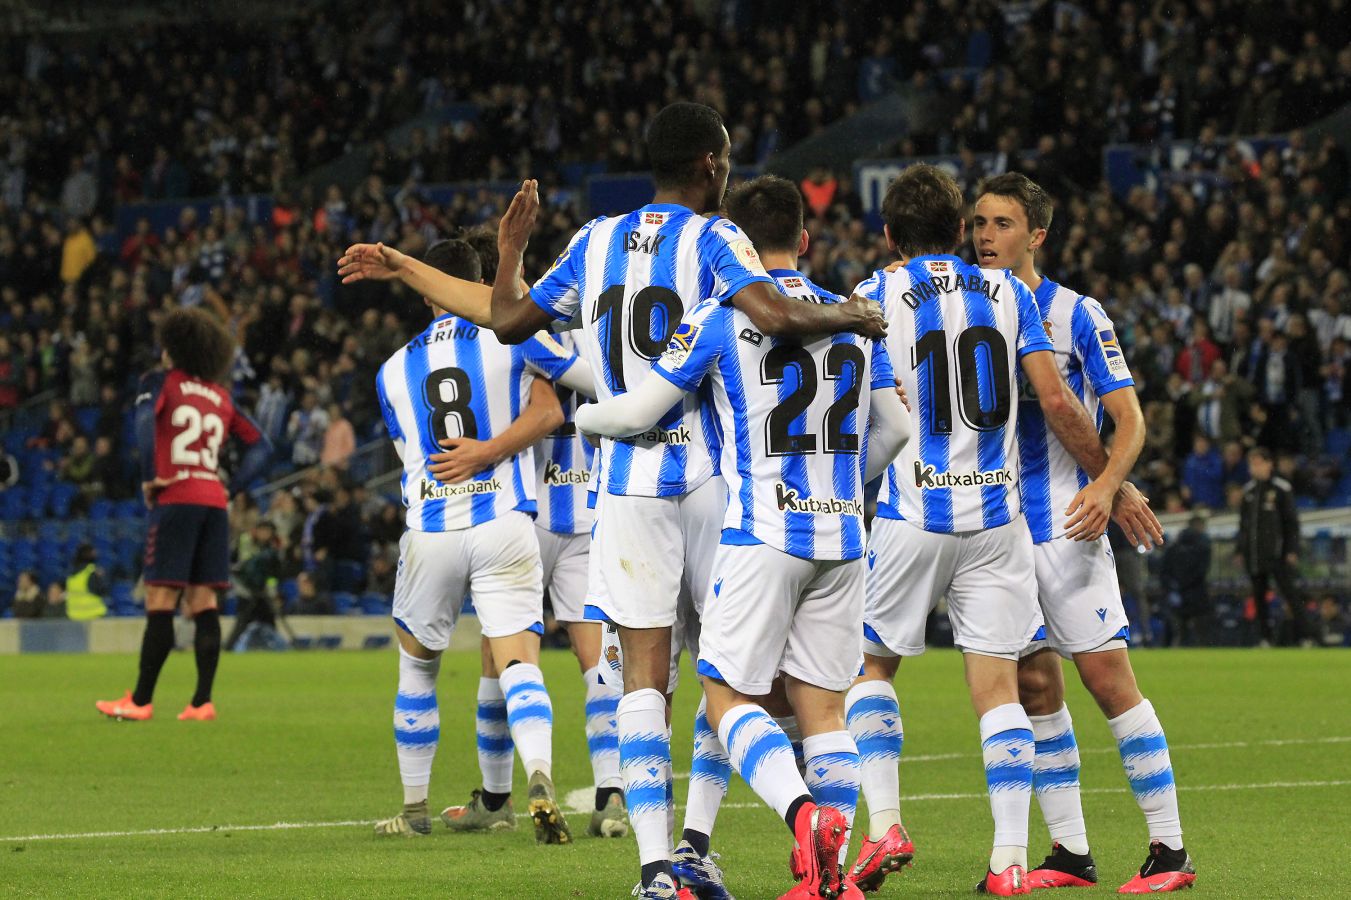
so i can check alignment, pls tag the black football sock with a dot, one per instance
(155, 646)
(493, 802)
(603, 796)
(653, 869)
(696, 839)
(206, 646)
(793, 808)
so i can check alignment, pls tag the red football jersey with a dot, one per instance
(192, 420)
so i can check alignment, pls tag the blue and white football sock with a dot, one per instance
(833, 773)
(762, 754)
(417, 724)
(495, 747)
(874, 720)
(530, 716)
(602, 730)
(1008, 748)
(1055, 779)
(710, 772)
(645, 764)
(1144, 754)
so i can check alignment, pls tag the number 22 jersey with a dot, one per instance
(629, 280)
(455, 380)
(955, 332)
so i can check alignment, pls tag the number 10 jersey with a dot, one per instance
(954, 333)
(456, 380)
(628, 281)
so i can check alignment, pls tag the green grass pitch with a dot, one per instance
(1261, 746)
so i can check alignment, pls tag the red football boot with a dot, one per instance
(877, 859)
(1064, 869)
(818, 834)
(1009, 883)
(1165, 870)
(125, 709)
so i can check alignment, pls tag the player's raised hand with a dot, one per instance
(150, 489)
(867, 316)
(894, 266)
(463, 459)
(1130, 509)
(1089, 512)
(370, 262)
(513, 232)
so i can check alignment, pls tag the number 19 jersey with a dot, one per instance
(794, 419)
(457, 380)
(629, 280)
(954, 334)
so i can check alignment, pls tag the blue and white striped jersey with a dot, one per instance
(953, 332)
(794, 419)
(457, 380)
(628, 281)
(563, 466)
(1090, 358)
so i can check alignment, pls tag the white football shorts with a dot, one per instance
(497, 563)
(769, 612)
(564, 560)
(987, 576)
(1080, 597)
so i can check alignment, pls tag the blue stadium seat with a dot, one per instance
(289, 591)
(52, 531)
(375, 642)
(39, 496)
(229, 605)
(63, 496)
(375, 605)
(121, 602)
(344, 602)
(101, 509)
(133, 509)
(87, 419)
(349, 575)
(14, 503)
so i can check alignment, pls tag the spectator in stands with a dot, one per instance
(1334, 623)
(55, 605)
(77, 251)
(12, 381)
(255, 580)
(108, 477)
(1203, 475)
(28, 600)
(310, 600)
(1220, 403)
(339, 439)
(85, 587)
(306, 430)
(1199, 354)
(77, 466)
(1267, 546)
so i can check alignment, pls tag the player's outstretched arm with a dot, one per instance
(888, 432)
(1130, 508)
(377, 262)
(1092, 506)
(466, 457)
(630, 413)
(779, 316)
(514, 315)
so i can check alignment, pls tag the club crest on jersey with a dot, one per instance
(681, 343)
(789, 500)
(612, 657)
(929, 478)
(1046, 327)
(1112, 355)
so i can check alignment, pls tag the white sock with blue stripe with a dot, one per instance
(530, 716)
(645, 764)
(833, 773)
(1008, 748)
(762, 753)
(710, 772)
(1055, 779)
(1144, 754)
(874, 719)
(602, 730)
(417, 724)
(495, 747)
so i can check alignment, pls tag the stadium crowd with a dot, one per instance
(1228, 283)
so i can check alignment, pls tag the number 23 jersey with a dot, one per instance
(456, 380)
(955, 332)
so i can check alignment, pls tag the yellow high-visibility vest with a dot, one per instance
(81, 603)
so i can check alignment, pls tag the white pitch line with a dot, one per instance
(349, 823)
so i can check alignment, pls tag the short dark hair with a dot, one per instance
(1261, 453)
(198, 343)
(923, 210)
(454, 257)
(484, 241)
(678, 136)
(769, 210)
(1035, 202)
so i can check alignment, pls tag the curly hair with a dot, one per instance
(198, 343)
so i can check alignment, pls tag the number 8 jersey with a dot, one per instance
(628, 281)
(955, 332)
(457, 380)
